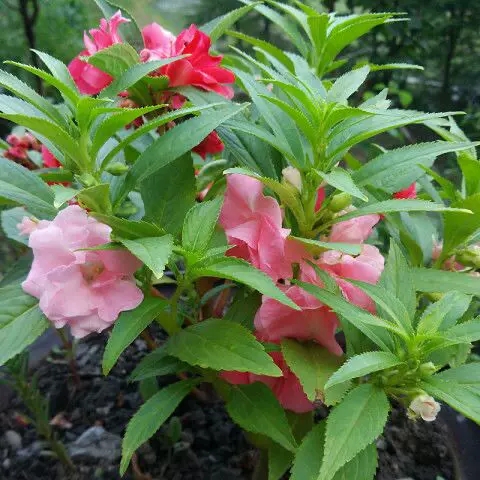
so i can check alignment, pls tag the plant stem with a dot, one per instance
(261, 467)
(70, 353)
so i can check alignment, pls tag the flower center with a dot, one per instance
(91, 270)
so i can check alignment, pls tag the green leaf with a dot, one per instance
(128, 327)
(396, 169)
(62, 194)
(23, 91)
(167, 206)
(217, 27)
(21, 321)
(346, 85)
(471, 174)
(389, 206)
(133, 75)
(150, 418)
(361, 365)
(308, 460)
(434, 315)
(397, 279)
(240, 271)
(199, 225)
(255, 408)
(154, 252)
(175, 143)
(129, 229)
(457, 227)
(352, 426)
(341, 180)
(316, 246)
(96, 198)
(244, 307)
(58, 69)
(437, 281)
(24, 187)
(373, 327)
(115, 60)
(49, 130)
(459, 396)
(222, 345)
(19, 271)
(279, 461)
(157, 364)
(467, 332)
(468, 374)
(10, 219)
(312, 364)
(112, 124)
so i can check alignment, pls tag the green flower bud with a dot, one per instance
(117, 169)
(427, 369)
(87, 180)
(340, 202)
(470, 257)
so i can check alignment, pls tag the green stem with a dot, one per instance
(261, 467)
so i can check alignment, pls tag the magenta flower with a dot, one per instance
(85, 290)
(200, 68)
(89, 79)
(253, 225)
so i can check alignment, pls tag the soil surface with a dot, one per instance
(201, 443)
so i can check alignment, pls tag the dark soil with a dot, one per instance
(208, 447)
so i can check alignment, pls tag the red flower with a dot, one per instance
(210, 145)
(89, 79)
(200, 69)
(49, 159)
(407, 193)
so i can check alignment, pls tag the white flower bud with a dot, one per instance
(426, 407)
(292, 176)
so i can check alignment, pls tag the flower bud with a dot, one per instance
(27, 226)
(340, 202)
(87, 180)
(424, 406)
(470, 257)
(427, 369)
(117, 169)
(292, 176)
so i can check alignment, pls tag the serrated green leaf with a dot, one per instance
(222, 345)
(62, 194)
(312, 364)
(341, 180)
(128, 327)
(316, 246)
(396, 169)
(457, 227)
(115, 60)
(346, 85)
(24, 187)
(279, 461)
(470, 167)
(255, 408)
(96, 198)
(157, 364)
(468, 374)
(467, 332)
(362, 467)
(154, 252)
(242, 272)
(308, 460)
(57, 68)
(361, 365)
(21, 321)
(199, 225)
(352, 426)
(129, 229)
(459, 396)
(151, 416)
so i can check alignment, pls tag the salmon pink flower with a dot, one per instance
(84, 289)
(253, 225)
(89, 79)
(287, 388)
(200, 68)
(275, 321)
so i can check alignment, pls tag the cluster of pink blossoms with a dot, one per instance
(84, 289)
(200, 69)
(253, 225)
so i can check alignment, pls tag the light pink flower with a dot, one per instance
(355, 230)
(27, 226)
(426, 407)
(200, 68)
(253, 224)
(287, 388)
(86, 290)
(89, 79)
(366, 267)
